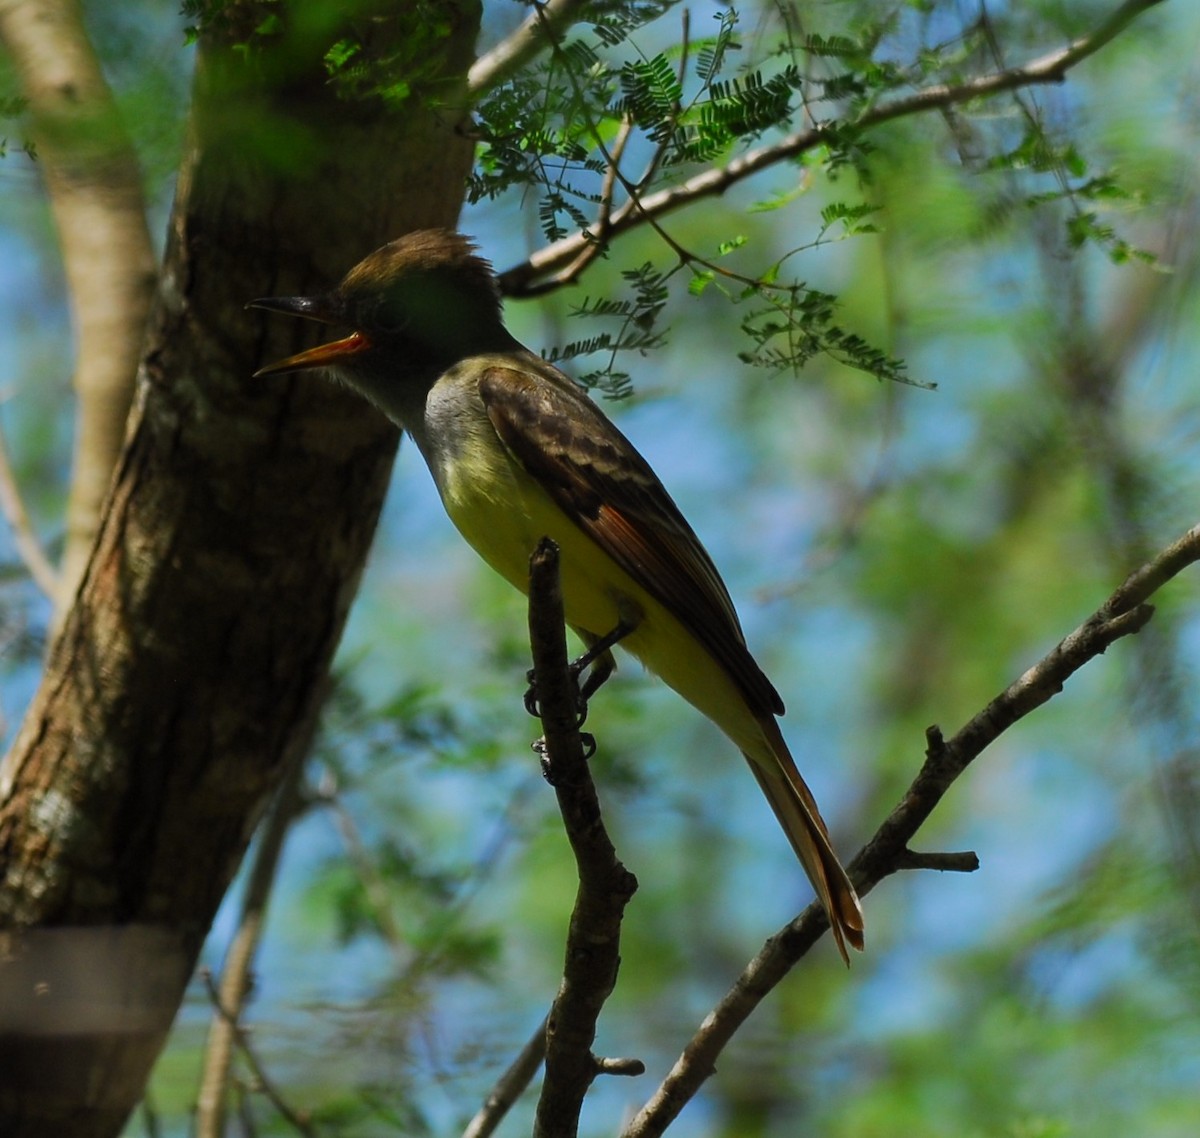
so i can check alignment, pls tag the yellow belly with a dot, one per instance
(503, 513)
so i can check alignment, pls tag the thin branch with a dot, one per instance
(1124, 613)
(698, 1060)
(95, 187)
(1049, 68)
(514, 51)
(509, 1087)
(298, 1119)
(28, 547)
(605, 885)
(1143, 583)
(231, 994)
(598, 233)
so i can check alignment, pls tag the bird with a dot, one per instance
(518, 452)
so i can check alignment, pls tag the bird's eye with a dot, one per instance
(389, 317)
(391, 321)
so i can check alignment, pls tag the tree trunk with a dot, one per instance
(193, 662)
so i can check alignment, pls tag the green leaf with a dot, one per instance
(833, 47)
(850, 216)
(618, 22)
(340, 54)
(710, 54)
(652, 93)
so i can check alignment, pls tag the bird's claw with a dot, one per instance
(598, 662)
(581, 693)
(530, 697)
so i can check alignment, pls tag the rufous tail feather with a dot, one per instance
(797, 812)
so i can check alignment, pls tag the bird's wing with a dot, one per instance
(596, 476)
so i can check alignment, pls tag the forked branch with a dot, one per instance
(1124, 613)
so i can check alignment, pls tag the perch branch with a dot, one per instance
(605, 885)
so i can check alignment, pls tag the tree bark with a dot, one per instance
(190, 667)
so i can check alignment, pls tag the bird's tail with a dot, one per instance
(797, 812)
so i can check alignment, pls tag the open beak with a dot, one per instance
(323, 355)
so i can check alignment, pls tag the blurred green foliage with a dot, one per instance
(898, 555)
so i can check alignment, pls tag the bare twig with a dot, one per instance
(605, 885)
(28, 546)
(1124, 613)
(297, 1119)
(618, 1066)
(964, 862)
(509, 1086)
(1140, 585)
(1049, 68)
(230, 995)
(514, 51)
(91, 173)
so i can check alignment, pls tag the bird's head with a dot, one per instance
(413, 308)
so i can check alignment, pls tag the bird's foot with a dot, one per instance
(597, 661)
(534, 708)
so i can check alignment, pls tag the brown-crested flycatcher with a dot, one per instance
(519, 452)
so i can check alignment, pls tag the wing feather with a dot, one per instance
(597, 477)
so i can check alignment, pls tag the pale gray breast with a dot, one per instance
(454, 432)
